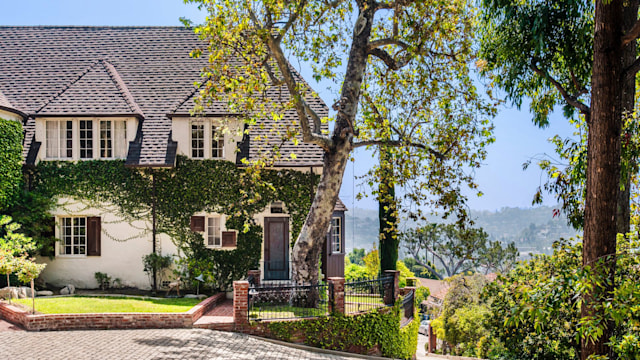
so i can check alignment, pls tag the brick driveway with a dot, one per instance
(144, 344)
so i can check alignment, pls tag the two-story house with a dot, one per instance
(107, 93)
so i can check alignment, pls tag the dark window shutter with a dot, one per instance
(49, 247)
(197, 223)
(94, 229)
(229, 239)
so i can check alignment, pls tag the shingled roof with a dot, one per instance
(131, 71)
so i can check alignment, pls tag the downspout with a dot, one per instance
(153, 227)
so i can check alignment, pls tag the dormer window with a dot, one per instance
(206, 139)
(86, 139)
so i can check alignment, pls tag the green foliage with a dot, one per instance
(353, 272)
(463, 316)
(10, 161)
(371, 269)
(422, 293)
(526, 45)
(458, 249)
(418, 269)
(535, 308)
(338, 332)
(103, 280)
(356, 255)
(213, 186)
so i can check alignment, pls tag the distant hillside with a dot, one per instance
(532, 229)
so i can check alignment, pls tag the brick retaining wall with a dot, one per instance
(95, 321)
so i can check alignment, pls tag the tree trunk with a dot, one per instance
(389, 240)
(306, 251)
(603, 166)
(623, 215)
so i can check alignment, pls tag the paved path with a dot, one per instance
(145, 344)
(7, 326)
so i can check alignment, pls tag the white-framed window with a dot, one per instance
(214, 231)
(197, 139)
(113, 136)
(73, 235)
(86, 139)
(59, 137)
(206, 139)
(217, 143)
(336, 234)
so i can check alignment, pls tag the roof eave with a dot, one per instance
(15, 111)
(43, 115)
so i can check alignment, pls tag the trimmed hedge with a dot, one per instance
(10, 160)
(358, 333)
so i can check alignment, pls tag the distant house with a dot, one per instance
(125, 93)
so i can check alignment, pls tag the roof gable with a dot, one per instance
(99, 90)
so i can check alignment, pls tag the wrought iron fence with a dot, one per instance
(283, 300)
(408, 309)
(366, 295)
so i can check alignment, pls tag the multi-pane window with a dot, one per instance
(217, 143)
(86, 139)
(106, 140)
(197, 139)
(214, 234)
(113, 136)
(73, 236)
(59, 135)
(336, 234)
(93, 139)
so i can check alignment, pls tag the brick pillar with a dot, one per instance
(337, 305)
(240, 304)
(391, 290)
(432, 340)
(256, 276)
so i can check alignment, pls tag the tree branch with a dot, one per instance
(632, 34)
(307, 135)
(631, 70)
(391, 63)
(570, 99)
(387, 41)
(397, 143)
(290, 22)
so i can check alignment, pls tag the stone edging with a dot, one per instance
(94, 321)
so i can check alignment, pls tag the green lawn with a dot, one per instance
(87, 304)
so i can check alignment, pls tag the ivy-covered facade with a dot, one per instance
(121, 168)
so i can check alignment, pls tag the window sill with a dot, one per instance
(225, 248)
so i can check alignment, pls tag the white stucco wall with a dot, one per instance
(122, 247)
(8, 115)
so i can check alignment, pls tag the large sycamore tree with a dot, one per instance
(565, 51)
(403, 69)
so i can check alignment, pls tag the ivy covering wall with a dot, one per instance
(176, 194)
(355, 333)
(10, 160)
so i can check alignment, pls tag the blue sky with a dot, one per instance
(501, 179)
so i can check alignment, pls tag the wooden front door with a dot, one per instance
(276, 248)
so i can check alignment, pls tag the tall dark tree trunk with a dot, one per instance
(623, 215)
(603, 165)
(387, 216)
